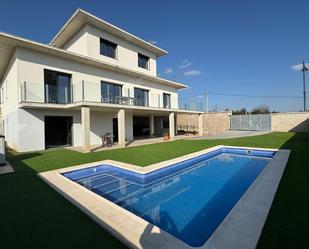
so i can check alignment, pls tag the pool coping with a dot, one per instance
(246, 219)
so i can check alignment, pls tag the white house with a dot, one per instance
(92, 78)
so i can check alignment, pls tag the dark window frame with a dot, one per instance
(136, 99)
(110, 84)
(140, 63)
(70, 89)
(108, 44)
(169, 102)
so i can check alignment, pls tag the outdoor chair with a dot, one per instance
(107, 140)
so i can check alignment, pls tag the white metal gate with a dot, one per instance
(254, 122)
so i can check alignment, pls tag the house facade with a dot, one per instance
(92, 79)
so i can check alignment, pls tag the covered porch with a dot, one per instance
(131, 126)
(82, 125)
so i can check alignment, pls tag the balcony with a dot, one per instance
(84, 91)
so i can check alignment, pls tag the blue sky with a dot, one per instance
(241, 47)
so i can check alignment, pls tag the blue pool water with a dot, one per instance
(188, 199)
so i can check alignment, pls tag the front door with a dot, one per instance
(58, 131)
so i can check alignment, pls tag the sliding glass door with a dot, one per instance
(166, 100)
(57, 87)
(141, 97)
(110, 93)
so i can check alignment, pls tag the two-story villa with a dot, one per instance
(93, 78)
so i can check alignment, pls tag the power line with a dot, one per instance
(255, 96)
(245, 95)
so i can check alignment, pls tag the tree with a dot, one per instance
(261, 109)
(240, 111)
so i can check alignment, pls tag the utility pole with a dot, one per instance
(304, 69)
(206, 102)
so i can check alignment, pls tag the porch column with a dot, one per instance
(172, 124)
(151, 125)
(200, 124)
(85, 118)
(121, 128)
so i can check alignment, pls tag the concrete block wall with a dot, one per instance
(187, 122)
(213, 122)
(216, 122)
(290, 121)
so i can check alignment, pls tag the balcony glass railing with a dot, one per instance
(58, 94)
(32, 92)
(85, 91)
(40, 93)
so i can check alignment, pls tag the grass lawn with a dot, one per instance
(34, 216)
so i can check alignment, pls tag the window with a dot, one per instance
(143, 61)
(57, 87)
(110, 92)
(141, 97)
(166, 100)
(108, 48)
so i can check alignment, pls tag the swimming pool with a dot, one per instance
(188, 199)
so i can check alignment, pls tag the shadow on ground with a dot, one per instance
(34, 216)
(287, 225)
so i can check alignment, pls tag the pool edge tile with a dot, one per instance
(88, 201)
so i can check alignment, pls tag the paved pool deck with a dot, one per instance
(155, 140)
(240, 229)
(229, 134)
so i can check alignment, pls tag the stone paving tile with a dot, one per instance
(246, 218)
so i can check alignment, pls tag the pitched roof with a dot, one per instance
(8, 44)
(81, 18)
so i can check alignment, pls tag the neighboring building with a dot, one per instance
(93, 78)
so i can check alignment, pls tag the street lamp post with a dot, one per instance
(304, 69)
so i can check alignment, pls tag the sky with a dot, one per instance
(239, 47)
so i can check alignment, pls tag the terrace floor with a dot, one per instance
(34, 216)
(134, 143)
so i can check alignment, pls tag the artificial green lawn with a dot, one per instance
(34, 216)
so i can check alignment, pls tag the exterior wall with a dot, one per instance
(213, 122)
(216, 122)
(87, 42)
(297, 121)
(220, 122)
(78, 44)
(9, 87)
(100, 123)
(10, 128)
(30, 127)
(9, 104)
(31, 70)
(24, 129)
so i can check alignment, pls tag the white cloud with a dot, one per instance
(168, 70)
(299, 67)
(185, 64)
(192, 73)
